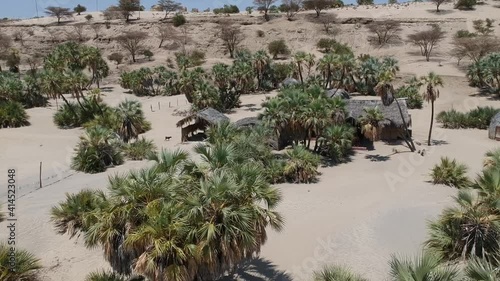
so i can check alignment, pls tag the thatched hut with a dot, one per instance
(392, 127)
(247, 122)
(494, 129)
(202, 120)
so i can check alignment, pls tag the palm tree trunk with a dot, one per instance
(432, 121)
(408, 139)
(300, 74)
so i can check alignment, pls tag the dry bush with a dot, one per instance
(427, 40)
(19, 35)
(34, 61)
(384, 31)
(260, 33)
(327, 23)
(132, 41)
(474, 48)
(291, 8)
(231, 36)
(166, 32)
(97, 29)
(484, 27)
(116, 57)
(77, 33)
(112, 13)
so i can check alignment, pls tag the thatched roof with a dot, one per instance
(209, 115)
(494, 124)
(355, 109)
(341, 93)
(248, 121)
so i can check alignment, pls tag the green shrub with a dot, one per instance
(465, 4)
(465, 34)
(485, 74)
(301, 165)
(326, 44)
(227, 9)
(337, 142)
(450, 173)
(74, 115)
(98, 149)
(191, 59)
(13, 115)
(25, 265)
(148, 54)
(364, 2)
(278, 47)
(149, 82)
(414, 99)
(280, 71)
(179, 20)
(140, 149)
(104, 276)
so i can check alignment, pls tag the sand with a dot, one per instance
(358, 214)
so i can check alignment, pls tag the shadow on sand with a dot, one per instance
(378, 157)
(258, 269)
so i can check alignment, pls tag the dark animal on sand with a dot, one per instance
(167, 138)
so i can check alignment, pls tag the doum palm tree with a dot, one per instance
(432, 80)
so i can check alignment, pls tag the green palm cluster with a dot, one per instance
(300, 115)
(180, 219)
(24, 268)
(485, 74)
(477, 118)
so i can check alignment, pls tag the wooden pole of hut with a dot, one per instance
(40, 177)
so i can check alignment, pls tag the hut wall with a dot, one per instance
(391, 133)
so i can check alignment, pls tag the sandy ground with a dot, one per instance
(358, 214)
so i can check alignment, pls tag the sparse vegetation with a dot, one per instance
(116, 57)
(227, 9)
(264, 6)
(465, 4)
(25, 265)
(169, 6)
(231, 36)
(148, 54)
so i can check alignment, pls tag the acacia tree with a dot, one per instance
(427, 40)
(128, 7)
(58, 12)
(317, 5)
(291, 8)
(169, 6)
(439, 2)
(79, 9)
(385, 31)
(264, 5)
(132, 41)
(474, 48)
(231, 36)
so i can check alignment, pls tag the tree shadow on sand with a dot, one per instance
(258, 269)
(378, 157)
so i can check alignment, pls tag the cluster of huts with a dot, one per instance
(391, 128)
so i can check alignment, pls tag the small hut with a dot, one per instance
(392, 127)
(247, 122)
(494, 130)
(202, 120)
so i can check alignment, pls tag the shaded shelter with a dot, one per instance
(200, 120)
(494, 129)
(392, 127)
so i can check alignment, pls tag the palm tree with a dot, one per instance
(25, 265)
(104, 276)
(492, 159)
(222, 132)
(488, 186)
(431, 94)
(260, 61)
(302, 165)
(370, 122)
(133, 121)
(337, 273)
(481, 270)
(472, 228)
(326, 65)
(310, 61)
(425, 267)
(451, 173)
(299, 59)
(337, 141)
(92, 58)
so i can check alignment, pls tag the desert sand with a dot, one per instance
(358, 214)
